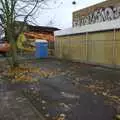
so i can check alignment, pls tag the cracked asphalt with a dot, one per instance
(63, 93)
(62, 96)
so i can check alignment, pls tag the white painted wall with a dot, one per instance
(108, 25)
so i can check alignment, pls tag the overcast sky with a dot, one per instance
(61, 14)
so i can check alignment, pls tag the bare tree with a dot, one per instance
(10, 11)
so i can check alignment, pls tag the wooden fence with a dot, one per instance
(96, 48)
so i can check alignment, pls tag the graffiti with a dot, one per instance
(99, 15)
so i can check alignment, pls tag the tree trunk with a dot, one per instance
(14, 62)
(13, 53)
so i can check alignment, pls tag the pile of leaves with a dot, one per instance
(30, 74)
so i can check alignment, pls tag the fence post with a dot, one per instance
(80, 50)
(114, 48)
(69, 47)
(87, 45)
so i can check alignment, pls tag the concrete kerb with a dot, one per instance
(35, 110)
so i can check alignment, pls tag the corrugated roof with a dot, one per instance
(39, 28)
(42, 28)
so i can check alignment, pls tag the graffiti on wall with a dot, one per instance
(99, 15)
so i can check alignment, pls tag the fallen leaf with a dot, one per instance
(117, 117)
